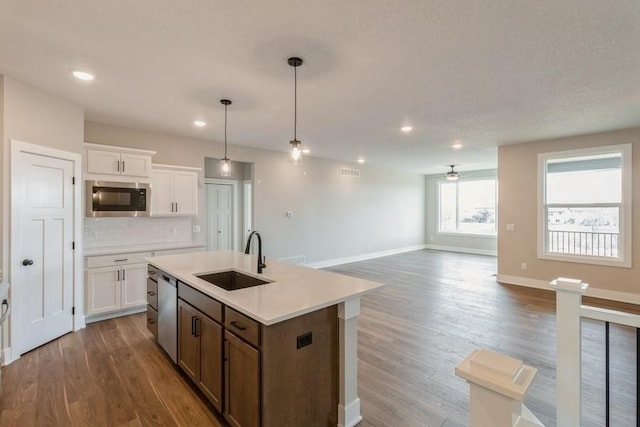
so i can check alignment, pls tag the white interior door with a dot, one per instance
(219, 216)
(42, 259)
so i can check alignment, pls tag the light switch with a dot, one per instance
(511, 227)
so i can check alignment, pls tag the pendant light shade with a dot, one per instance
(295, 150)
(225, 163)
(452, 175)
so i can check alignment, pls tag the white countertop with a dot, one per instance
(294, 290)
(111, 250)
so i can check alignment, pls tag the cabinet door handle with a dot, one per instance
(235, 325)
(176, 207)
(193, 325)
(151, 293)
(118, 165)
(151, 321)
(121, 260)
(123, 278)
(123, 166)
(118, 275)
(197, 324)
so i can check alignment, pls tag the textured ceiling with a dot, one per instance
(484, 73)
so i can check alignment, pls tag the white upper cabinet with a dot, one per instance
(109, 162)
(136, 164)
(186, 192)
(174, 190)
(162, 202)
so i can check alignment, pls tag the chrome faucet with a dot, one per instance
(261, 261)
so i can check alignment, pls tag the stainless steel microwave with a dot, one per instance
(113, 199)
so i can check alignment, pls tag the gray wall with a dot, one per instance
(333, 216)
(462, 243)
(30, 115)
(36, 117)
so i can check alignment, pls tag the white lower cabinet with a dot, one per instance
(115, 283)
(102, 290)
(134, 285)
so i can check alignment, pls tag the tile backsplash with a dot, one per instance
(107, 232)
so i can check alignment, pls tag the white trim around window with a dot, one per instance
(625, 233)
(440, 231)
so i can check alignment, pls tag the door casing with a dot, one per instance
(235, 245)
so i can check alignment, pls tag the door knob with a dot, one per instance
(27, 262)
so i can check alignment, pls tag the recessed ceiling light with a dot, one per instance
(406, 129)
(361, 160)
(83, 75)
(457, 146)
(199, 123)
(305, 151)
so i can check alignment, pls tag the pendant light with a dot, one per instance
(225, 163)
(452, 175)
(296, 151)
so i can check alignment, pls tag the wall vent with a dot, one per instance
(295, 260)
(353, 173)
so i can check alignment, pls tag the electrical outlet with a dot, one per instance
(511, 227)
(196, 228)
(523, 266)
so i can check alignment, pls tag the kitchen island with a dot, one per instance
(299, 312)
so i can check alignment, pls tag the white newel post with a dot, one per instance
(498, 384)
(348, 401)
(568, 349)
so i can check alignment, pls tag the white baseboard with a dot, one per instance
(462, 250)
(363, 257)
(349, 416)
(591, 292)
(99, 317)
(6, 357)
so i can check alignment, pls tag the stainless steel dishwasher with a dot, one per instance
(167, 315)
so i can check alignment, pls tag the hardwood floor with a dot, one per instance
(109, 374)
(436, 308)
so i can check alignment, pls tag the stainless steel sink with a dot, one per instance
(231, 280)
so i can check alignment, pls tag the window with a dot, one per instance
(468, 207)
(585, 205)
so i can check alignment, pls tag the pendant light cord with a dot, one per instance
(225, 131)
(295, 102)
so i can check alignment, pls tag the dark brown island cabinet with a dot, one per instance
(285, 374)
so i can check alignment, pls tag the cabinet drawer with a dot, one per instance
(152, 321)
(152, 293)
(117, 259)
(241, 325)
(205, 304)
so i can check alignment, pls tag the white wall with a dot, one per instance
(446, 241)
(334, 217)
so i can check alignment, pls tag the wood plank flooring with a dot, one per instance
(436, 308)
(109, 374)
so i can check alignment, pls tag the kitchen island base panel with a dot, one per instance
(349, 403)
(300, 371)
